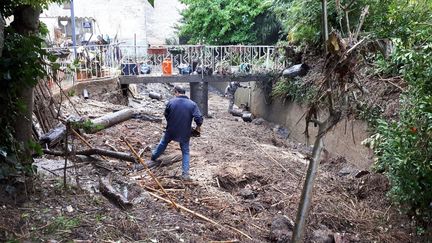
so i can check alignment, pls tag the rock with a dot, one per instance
(282, 132)
(247, 193)
(258, 121)
(69, 209)
(256, 207)
(281, 229)
(322, 236)
(247, 116)
(296, 70)
(155, 95)
(345, 171)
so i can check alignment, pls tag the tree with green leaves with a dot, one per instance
(225, 22)
(21, 67)
(402, 146)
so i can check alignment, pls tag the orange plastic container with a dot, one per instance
(167, 66)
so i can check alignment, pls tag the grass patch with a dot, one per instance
(62, 224)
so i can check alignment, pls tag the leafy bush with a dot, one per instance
(301, 20)
(292, 89)
(404, 147)
(228, 22)
(397, 18)
(21, 67)
(404, 151)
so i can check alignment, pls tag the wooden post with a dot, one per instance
(66, 155)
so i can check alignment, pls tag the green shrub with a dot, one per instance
(404, 150)
(292, 89)
(404, 147)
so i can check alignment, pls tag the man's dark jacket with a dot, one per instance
(179, 113)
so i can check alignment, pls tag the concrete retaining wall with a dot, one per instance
(344, 140)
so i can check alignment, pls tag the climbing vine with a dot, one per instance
(21, 67)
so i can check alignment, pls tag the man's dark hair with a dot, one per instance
(179, 90)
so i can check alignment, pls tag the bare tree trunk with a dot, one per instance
(23, 124)
(306, 196)
(111, 119)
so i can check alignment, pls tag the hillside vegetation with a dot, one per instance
(402, 144)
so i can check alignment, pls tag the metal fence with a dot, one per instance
(102, 61)
(251, 59)
(91, 62)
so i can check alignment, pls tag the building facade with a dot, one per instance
(115, 19)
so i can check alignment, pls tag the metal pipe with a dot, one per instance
(73, 28)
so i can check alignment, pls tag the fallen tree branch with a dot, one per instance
(95, 151)
(362, 18)
(201, 216)
(85, 141)
(389, 80)
(149, 172)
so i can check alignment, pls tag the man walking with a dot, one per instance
(179, 113)
(230, 90)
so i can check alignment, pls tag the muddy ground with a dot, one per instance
(247, 181)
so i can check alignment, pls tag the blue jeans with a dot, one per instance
(184, 146)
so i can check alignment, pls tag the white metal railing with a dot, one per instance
(97, 61)
(250, 59)
(91, 62)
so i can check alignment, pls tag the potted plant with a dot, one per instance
(176, 50)
(156, 50)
